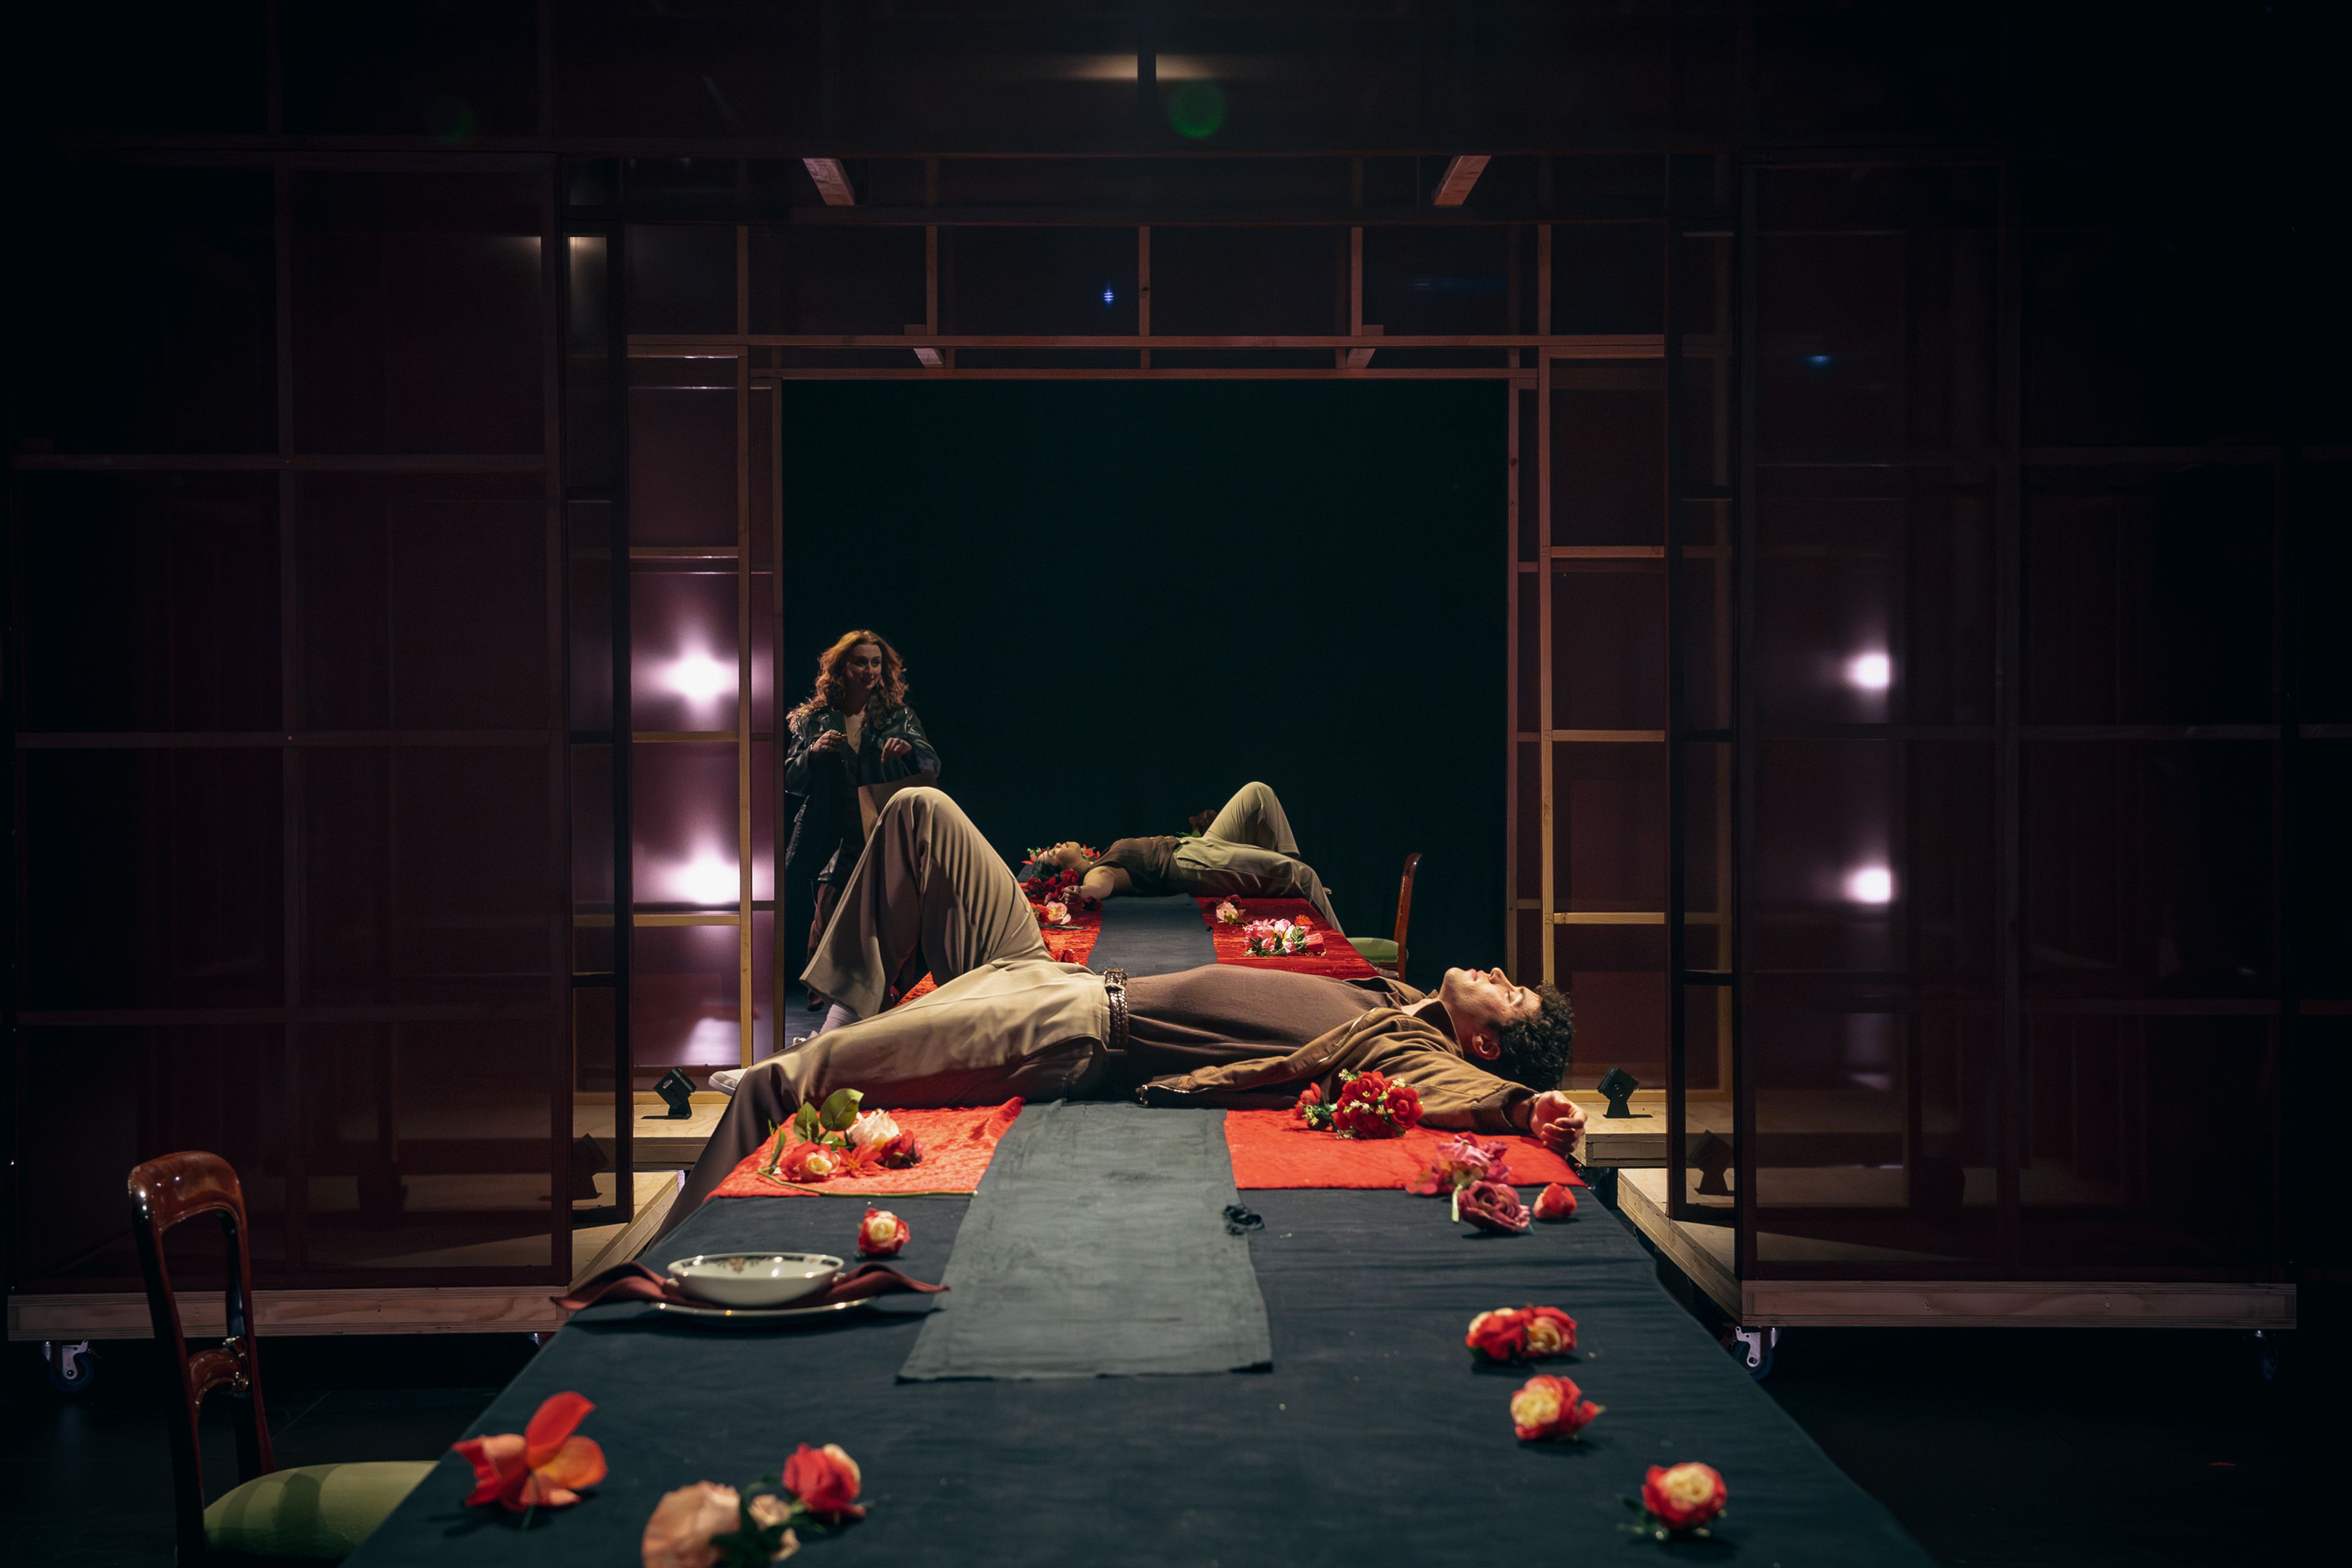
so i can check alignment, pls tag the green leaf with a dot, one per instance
(840, 1108)
(805, 1124)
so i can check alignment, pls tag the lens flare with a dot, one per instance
(1870, 884)
(1870, 672)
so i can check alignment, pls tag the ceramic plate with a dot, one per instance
(758, 1317)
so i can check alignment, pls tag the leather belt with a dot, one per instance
(1114, 993)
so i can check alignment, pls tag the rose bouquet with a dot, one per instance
(1281, 939)
(1521, 1333)
(1679, 1497)
(822, 1141)
(707, 1525)
(1368, 1105)
(1049, 884)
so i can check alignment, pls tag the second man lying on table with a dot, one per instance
(1246, 851)
(1484, 1054)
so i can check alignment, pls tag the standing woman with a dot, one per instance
(855, 729)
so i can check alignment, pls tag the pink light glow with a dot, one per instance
(700, 679)
(1870, 672)
(707, 879)
(1870, 884)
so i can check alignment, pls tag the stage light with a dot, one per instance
(1870, 884)
(1819, 361)
(1870, 672)
(1110, 298)
(699, 677)
(707, 879)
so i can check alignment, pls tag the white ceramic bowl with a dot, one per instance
(754, 1279)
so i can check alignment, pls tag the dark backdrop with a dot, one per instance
(1119, 602)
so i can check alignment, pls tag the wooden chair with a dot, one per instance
(1390, 955)
(315, 1513)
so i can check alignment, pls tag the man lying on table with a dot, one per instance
(1008, 1020)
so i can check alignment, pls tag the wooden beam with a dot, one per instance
(832, 181)
(1461, 174)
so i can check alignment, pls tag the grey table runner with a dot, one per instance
(1153, 936)
(1096, 1247)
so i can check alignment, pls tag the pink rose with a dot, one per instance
(881, 1234)
(1557, 1201)
(1057, 914)
(1493, 1205)
(1314, 943)
(678, 1534)
(1229, 913)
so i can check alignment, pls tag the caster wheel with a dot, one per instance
(1753, 1348)
(72, 1367)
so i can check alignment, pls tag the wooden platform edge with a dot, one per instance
(408, 1310)
(1948, 1303)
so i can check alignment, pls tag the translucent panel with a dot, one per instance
(114, 638)
(153, 880)
(1608, 645)
(418, 313)
(427, 875)
(423, 603)
(1707, 819)
(590, 377)
(763, 655)
(2148, 596)
(685, 1001)
(592, 837)
(1608, 278)
(1875, 340)
(171, 269)
(681, 278)
(2319, 917)
(1608, 468)
(683, 670)
(593, 1044)
(682, 457)
(1527, 757)
(1528, 587)
(1707, 1053)
(1616, 975)
(1527, 474)
(683, 815)
(428, 1152)
(1297, 280)
(380, 67)
(1875, 602)
(761, 525)
(1875, 1143)
(845, 279)
(1703, 635)
(591, 648)
(1437, 280)
(1039, 279)
(2110, 1105)
(2148, 868)
(1608, 827)
(1875, 856)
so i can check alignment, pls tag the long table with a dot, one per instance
(1372, 1439)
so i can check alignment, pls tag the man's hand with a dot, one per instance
(1556, 1120)
(896, 746)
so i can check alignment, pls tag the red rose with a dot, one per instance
(1311, 1095)
(1499, 1335)
(826, 1480)
(1404, 1105)
(1684, 1497)
(1549, 1333)
(1547, 1408)
(1494, 1206)
(901, 1151)
(1555, 1202)
(881, 1234)
(1314, 943)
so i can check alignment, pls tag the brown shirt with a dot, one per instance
(1227, 1036)
(1146, 862)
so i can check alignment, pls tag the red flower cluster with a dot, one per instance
(1368, 1106)
(1521, 1333)
(1682, 1497)
(1046, 884)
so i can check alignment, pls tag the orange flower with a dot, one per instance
(826, 1480)
(811, 1162)
(1548, 1407)
(544, 1467)
(1684, 1497)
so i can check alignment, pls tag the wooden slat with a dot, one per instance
(1568, 346)
(832, 181)
(1461, 173)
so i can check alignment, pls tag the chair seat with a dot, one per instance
(1377, 950)
(319, 1511)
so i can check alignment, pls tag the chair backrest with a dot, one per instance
(1404, 907)
(165, 1193)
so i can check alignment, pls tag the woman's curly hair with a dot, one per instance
(832, 692)
(1535, 1051)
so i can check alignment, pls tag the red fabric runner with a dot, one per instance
(1273, 1149)
(1340, 958)
(1068, 946)
(958, 1144)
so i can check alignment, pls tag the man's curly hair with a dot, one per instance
(1537, 1051)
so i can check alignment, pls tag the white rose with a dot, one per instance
(873, 1128)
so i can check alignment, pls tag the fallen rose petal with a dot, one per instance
(1557, 1201)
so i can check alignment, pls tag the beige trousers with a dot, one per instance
(1248, 852)
(1006, 1019)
